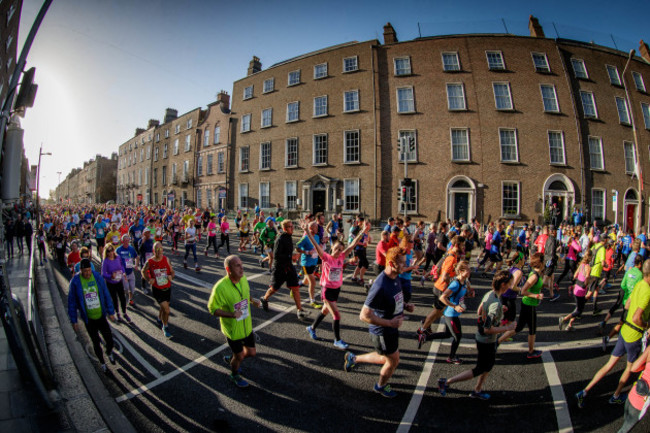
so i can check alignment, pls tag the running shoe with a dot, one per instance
(426, 331)
(605, 342)
(385, 391)
(197, 268)
(617, 399)
(349, 361)
(480, 395)
(111, 357)
(301, 315)
(596, 311)
(442, 386)
(226, 359)
(555, 297)
(104, 368)
(185, 265)
(580, 397)
(238, 381)
(353, 279)
(127, 318)
(601, 328)
(132, 302)
(260, 262)
(265, 303)
(315, 305)
(159, 322)
(421, 339)
(455, 360)
(561, 323)
(166, 331)
(340, 344)
(119, 318)
(534, 354)
(312, 333)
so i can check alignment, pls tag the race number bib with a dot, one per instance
(100, 232)
(243, 307)
(116, 239)
(92, 300)
(399, 303)
(176, 229)
(335, 275)
(138, 234)
(59, 245)
(158, 232)
(314, 254)
(118, 275)
(129, 263)
(161, 277)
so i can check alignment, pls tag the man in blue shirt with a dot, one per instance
(130, 257)
(309, 261)
(100, 235)
(136, 232)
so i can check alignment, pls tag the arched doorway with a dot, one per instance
(461, 198)
(319, 197)
(630, 209)
(559, 193)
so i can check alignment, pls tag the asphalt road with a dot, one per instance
(297, 384)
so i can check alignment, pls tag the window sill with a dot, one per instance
(461, 161)
(543, 72)
(294, 84)
(409, 74)
(592, 118)
(352, 163)
(244, 171)
(452, 71)
(598, 170)
(558, 164)
(291, 167)
(506, 110)
(510, 162)
(407, 112)
(350, 71)
(265, 126)
(511, 217)
(554, 113)
(351, 111)
(321, 78)
(320, 116)
(246, 99)
(245, 132)
(292, 121)
(625, 124)
(410, 161)
(497, 69)
(265, 169)
(320, 165)
(458, 110)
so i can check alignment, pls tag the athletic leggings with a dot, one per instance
(430, 258)
(453, 330)
(487, 353)
(225, 240)
(570, 267)
(117, 293)
(188, 248)
(511, 303)
(212, 240)
(94, 327)
(619, 301)
(580, 306)
(527, 316)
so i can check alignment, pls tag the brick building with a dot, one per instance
(134, 167)
(497, 126)
(93, 183)
(9, 22)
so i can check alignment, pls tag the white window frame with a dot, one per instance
(188, 143)
(353, 183)
(629, 145)
(318, 99)
(209, 163)
(453, 68)
(409, 109)
(356, 101)
(449, 97)
(597, 141)
(645, 110)
(267, 118)
(614, 76)
(206, 138)
(516, 146)
(246, 122)
(413, 207)
(293, 78)
(320, 153)
(189, 123)
(501, 66)
(289, 111)
(320, 74)
(592, 98)
(602, 194)
(504, 183)
(199, 166)
(176, 146)
(242, 195)
(544, 99)
(265, 160)
(402, 72)
(290, 204)
(622, 110)
(467, 149)
(166, 133)
(546, 69)
(581, 71)
(269, 85)
(244, 157)
(291, 141)
(497, 98)
(248, 92)
(352, 66)
(562, 149)
(638, 81)
(217, 134)
(346, 146)
(262, 203)
(411, 156)
(221, 162)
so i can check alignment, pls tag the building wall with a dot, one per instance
(135, 162)
(9, 22)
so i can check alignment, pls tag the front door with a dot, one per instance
(461, 202)
(319, 201)
(630, 212)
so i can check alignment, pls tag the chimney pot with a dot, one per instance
(390, 36)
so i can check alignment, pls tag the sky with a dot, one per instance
(105, 67)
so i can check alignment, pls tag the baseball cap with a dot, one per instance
(85, 264)
(396, 229)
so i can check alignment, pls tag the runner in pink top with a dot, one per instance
(331, 280)
(225, 233)
(638, 399)
(212, 236)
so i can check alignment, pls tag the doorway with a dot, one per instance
(319, 201)
(461, 205)
(630, 209)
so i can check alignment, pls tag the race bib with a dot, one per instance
(129, 263)
(176, 229)
(116, 239)
(314, 254)
(243, 307)
(138, 234)
(118, 276)
(59, 245)
(100, 232)
(399, 303)
(41, 239)
(158, 232)
(335, 275)
(92, 300)
(161, 277)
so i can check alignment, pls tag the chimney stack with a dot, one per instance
(536, 30)
(644, 51)
(170, 114)
(254, 66)
(390, 37)
(152, 123)
(223, 98)
(138, 131)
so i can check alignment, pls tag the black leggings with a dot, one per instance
(225, 240)
(430, 258)
(117, 293)
(487, 353)
(570, 267)
(453, 330)
(617, 304)
(212, 240)
(527, 316)
(511, 303)
(580, 306)
(94, 327)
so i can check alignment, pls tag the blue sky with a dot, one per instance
(105, 67)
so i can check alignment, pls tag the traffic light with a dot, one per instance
(411, 143)
(405, 196)
(27, 92)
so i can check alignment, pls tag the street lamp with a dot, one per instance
(637, 166)
(38, 182)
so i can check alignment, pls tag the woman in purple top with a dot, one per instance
(509, 297)
(113, 270)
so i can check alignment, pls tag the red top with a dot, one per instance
(159, 272)
(382, 247)
(73, 258)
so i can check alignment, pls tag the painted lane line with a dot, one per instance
(421, 387)
(150, 368)
(559, 399)
(193, 280)
(144, 388)
(550, 346)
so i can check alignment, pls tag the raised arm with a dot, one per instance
(355, 241)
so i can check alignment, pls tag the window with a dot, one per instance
(508, 144)
(139, 177)
(155, 153)
(320, 71)
(294, 78)
(177, 129)
(405, 101)
(246, 122)
(248, 92)
(189, 123)
(141, 154)
(293, 111)
(164, 151)
(510, 199)
(217, 134)
(146, 175)
(596, 161)
(267, 117)
(351, 147)
(402, 66)
(157, 137)
(623, 115)
(290, 194)
(208, 169)
(502, 97)
(173, 172)
(638, 81)
(645, 109)
(410, 201)
(588, 104)
(186, 169)
(351, 195)
(243, 195)
(166, 133)
(556, 147)
(199, 166)
(291, 153)
(598, 204)
(208, 198)
(614, 78)
(320, 106)
(265, 156)
(549, 98)
(495, 60)
(455, 96)
(579, 68)
(410, 137)
(155, 177)
(320, 149)
(265, 197)
(187, 143)
(630, 159)
(351, 101)
(541, 62)
(206, 138)
(350, 64)
(244, 154)
(221, 163)
(450, 62)
(269, 85)
(459, 144)
(199, 203)
(176, 146)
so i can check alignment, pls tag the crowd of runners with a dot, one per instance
(521, 261)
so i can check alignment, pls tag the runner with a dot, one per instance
(244, 229)
(570, 260)
(361, 256)
(550, 260)
(74, 257)
(597, 262)
(114, 235)
(225, 233)
(638, 400)
(509, 297)
(145, 252)
(100, 235)
(190, 244)
(158, 272)
(267, 239)
(308, 261)
(230, 301)
(113, 270)
(580, 277)
(130, 257)
(212, 236)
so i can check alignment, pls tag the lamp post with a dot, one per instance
(637, 166)
(38, 182)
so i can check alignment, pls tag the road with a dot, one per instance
(297, 384)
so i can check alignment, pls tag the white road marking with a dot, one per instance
(144, 388)
(150, 368)
(193, 280)
(559, 399)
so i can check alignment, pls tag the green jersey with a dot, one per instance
(259, 227)
(632, 276)
(91, 297)
(640, 298)
(268, 236)
(535, 290)
(228, 296)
